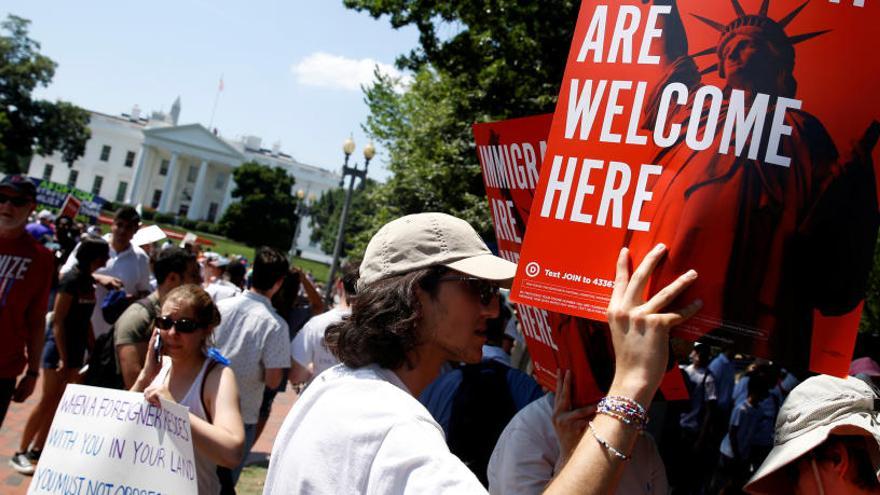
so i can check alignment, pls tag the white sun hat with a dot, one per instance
(820, 406)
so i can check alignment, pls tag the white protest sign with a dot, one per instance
(112, 442)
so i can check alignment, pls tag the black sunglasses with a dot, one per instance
(15, 200)
(485, 289)
(182, 325)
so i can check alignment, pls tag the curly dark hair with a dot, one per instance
(383, 326)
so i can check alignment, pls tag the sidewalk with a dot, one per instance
(12, 483)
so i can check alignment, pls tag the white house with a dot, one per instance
(179, 169)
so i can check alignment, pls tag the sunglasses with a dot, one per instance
(15, 200)
(182, 325)
(485, 289)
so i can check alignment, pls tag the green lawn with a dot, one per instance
(228, 247)
(252, 479)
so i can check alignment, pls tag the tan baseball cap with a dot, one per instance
(418, 241)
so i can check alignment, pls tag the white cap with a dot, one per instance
(45, 215)
(148, 235)
(189, 238)
(422, 240)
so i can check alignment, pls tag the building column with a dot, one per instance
(168, 188)
(134, 196)
(198, 197)
(227, 196)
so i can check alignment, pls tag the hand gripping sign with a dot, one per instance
(510, 154)
(740, 133)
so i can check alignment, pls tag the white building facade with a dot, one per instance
(183, 170)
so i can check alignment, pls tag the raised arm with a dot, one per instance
(640, 332)
(316, 303)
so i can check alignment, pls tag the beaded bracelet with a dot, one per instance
(625, 410)
(620, 455)
(640, 428)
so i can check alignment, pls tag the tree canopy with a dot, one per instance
(265, 213)
(324, 216)
(475, 62)
(29, 126)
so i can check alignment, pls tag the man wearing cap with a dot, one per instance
(128, 267)
(217, 283)
(427, 286)
(827, 441)
(42, 230)
(26, 270)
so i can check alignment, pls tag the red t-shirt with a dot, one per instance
(25, 278)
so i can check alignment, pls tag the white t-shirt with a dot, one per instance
(222, 289)
(254, 338)
(308, 345)
(132, 266)
(526, 455)
(360, 431)
(702, 391)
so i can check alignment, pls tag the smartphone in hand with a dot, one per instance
(157, 347)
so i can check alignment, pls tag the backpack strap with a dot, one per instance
(149, 306)
(211, 365)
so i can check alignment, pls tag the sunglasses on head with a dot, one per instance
(484, 288)
(183, 325)
(15, 200)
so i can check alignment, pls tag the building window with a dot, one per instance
(192, 173)
(184, 209)
(220, 181)
(129, 158)
(157, 197)
(105, 153)
(120, 191)
(96, 186)
(47, 171)
(212, 212)
(71, 179)
(163, 167)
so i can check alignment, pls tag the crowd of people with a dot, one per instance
(412, 380)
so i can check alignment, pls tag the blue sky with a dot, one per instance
(291, 69)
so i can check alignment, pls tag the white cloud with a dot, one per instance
(337, 72)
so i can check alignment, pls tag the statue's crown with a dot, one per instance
(772, 30)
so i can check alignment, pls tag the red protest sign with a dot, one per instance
(70, 208)
(510, 154)
(743, 136)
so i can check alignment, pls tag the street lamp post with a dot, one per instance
(302, 209)
(355, 173)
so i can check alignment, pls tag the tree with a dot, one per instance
(265, 214)
(508, 56)
(28, 125)
(871, 313)
(325, 212)
(505, 59)
(491, 61)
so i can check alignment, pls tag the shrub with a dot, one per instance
(208, 227)
(186, 223)
(148, 214)
(160, 217)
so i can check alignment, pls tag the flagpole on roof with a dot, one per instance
(216, 99)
